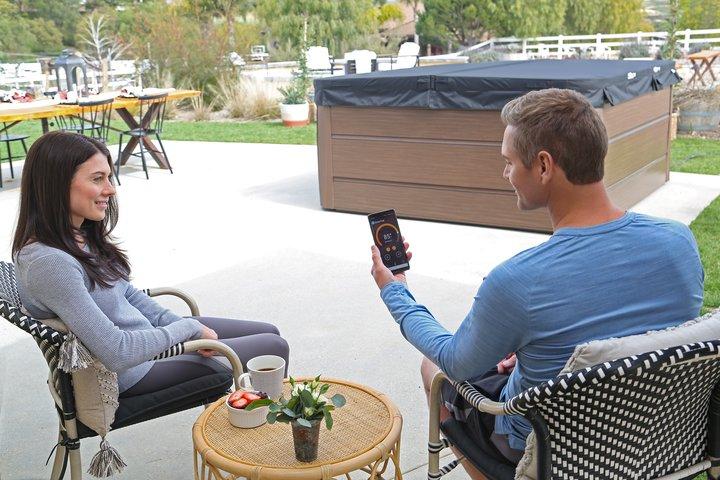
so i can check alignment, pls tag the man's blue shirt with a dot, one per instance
(624, 277)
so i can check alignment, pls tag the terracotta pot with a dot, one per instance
(305, 440)
(294, 115)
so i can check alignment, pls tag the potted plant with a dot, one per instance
(304, 410)
(294, 108)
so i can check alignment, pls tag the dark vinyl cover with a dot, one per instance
(489, 86)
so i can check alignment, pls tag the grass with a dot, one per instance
(692, 155)
(706, 228)
(245, 132)
(696, 155)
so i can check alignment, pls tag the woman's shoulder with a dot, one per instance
(38, 253)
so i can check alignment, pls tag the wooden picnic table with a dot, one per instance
(12, 114)
(702, 63)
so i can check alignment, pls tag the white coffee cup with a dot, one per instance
(265, 373)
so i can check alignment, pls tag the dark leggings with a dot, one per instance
(247, 339)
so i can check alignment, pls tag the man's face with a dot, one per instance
(526, 181)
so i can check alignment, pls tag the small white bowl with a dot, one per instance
(246, 419)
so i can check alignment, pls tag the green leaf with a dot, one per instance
(338, 400)
(324, 388)
(304, 422)
(289, 413)
(292, 403)
(307, 398)
(271, 417)
(284, 418)
(258, 403)
(275, 407)
(328, 419)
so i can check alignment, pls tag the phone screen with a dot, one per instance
(387, 237)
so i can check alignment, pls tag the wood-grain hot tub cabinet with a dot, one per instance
(426, 141)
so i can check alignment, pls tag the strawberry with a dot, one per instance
(239, 404)
(250, 397)
(236, 395)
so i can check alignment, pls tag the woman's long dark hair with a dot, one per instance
(45, 207)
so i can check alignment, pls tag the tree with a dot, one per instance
(65, 14)
(698, 14)
(227, 10)
(458, 22)
(530, 18)
(103, 47)
(623, 16)
(604, 16)
(22, 35)
(334, 24)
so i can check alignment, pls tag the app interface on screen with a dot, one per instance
(387, 238)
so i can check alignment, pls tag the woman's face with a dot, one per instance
(90, 190)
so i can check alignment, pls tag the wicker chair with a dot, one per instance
(650, 416)
(132, 410)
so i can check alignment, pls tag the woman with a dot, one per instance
(69, 267)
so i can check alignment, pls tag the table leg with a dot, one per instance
(377, 469)
(130, 121)
(44, 124)
(708, 68)
(155, 152)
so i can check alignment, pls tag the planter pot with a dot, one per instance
(294, 115)
(306, 440)
(696, 120)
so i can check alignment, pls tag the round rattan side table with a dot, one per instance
(365, 436)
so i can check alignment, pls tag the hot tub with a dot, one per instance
(426, 141)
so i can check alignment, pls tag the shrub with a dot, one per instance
(634, 50)
(247, 98)
(201, 111)
(484, 56)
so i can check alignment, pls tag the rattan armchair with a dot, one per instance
(650, 416)
(131, 410)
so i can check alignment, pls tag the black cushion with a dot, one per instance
(482, 454)
(193, 393)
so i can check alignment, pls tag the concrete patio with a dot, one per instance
(239, 226)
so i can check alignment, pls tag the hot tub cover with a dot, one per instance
(489, 86)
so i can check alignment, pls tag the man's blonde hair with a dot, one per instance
(564, 124)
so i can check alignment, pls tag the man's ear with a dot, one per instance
(546, 166)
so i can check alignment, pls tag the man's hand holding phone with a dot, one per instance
(381, 273)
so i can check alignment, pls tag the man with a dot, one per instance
(603, 273)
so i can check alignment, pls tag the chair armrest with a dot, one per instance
(478, 400)
(154, 292)
(471, 394)
(204, 344)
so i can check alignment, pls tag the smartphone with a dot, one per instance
(386, 234)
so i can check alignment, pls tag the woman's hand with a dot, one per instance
(207, 334)
(381, 273)
(507, 365)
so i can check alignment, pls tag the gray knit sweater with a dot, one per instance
(121, 326)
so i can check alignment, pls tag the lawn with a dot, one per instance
(244, 132)
(689, 154)
(696, 155)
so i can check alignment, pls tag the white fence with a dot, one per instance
(22, 75)
(600, 45)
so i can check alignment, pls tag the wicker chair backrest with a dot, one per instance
(48, 339)
(640, 417)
